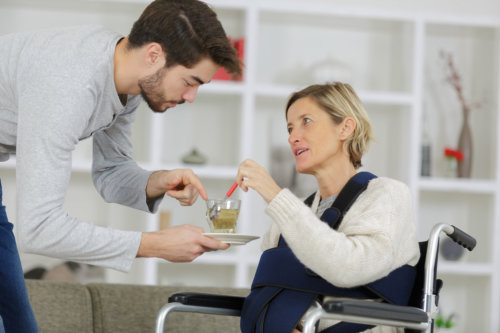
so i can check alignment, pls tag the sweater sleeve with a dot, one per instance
(375, 237)
(45, 144)
(116, 176)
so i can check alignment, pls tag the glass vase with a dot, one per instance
(451, 168)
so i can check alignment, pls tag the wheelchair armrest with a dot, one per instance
(376, 310)
(370, 313)
(199, 303)
(208, 300)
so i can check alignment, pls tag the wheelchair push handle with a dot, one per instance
(463, 238)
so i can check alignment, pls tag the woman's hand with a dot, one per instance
(252, 175)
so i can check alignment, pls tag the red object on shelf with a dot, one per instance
(222, 74)
(454, 153)
(239, 45)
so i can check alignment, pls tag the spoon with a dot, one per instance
(216, 210)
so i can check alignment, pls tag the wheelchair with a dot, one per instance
(418, 316)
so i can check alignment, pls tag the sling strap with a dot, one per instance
(283, 288)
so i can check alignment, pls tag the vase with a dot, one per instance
(465, 146)
(451, 167)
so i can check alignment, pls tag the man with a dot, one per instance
(59, 87)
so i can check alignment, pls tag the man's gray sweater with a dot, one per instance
(57, 88)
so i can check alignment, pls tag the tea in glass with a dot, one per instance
(222, 215)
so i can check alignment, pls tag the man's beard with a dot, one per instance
(150, 92)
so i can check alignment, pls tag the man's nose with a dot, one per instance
(190, 94)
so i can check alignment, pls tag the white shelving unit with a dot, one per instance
(391, 57)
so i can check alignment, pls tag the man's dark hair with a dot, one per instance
(188, 31)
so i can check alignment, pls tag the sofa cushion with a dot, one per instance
(61, 307)
(133, 308)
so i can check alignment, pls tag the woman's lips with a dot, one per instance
(299, 151)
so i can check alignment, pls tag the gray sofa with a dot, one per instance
(63, 307)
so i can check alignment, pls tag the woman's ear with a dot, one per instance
(348, 125)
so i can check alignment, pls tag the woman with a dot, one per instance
(329, 131)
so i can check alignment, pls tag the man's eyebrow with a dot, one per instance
(197, 79)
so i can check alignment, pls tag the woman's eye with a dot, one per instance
(289, 130)
(307, 120)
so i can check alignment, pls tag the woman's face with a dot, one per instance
(313, 136)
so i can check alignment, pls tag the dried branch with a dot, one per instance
(456, 82)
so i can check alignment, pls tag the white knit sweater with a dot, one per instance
(376, 236)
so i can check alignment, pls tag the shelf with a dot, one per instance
(479, 73)
(227, 4)
(333, 10)
(223, 87)
(212, 125)
(457, 185)
(468, 298)
(203, 171)
(354, 49)
(206, 171)
(79, 166)
(462, 21)
(473, 213)
(389, 98)
(465, 269)
(9, 164)
(276, 90)
(216, 258)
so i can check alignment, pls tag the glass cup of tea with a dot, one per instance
(222, 215)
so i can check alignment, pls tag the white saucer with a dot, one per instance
(234, 239)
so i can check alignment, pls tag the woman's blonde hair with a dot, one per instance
(340, 101)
